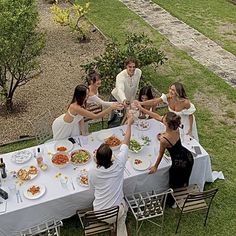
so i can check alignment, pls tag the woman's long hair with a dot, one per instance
(180, 91)
(146, 90)
(173, 121)
(80, 94)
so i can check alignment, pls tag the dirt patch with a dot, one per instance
(54, 87)
(228, 31)
(218, 106)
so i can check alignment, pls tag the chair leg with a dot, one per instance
(136, 229)
(206, 216)
(178, 223)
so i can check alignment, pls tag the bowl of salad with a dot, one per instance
(135, 146)
(80, 157)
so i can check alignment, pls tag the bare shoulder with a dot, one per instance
(186, 103)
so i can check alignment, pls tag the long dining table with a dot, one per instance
(61, 201)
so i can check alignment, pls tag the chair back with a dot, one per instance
(199, 200)
(42, 126)
(94, 222)
(93, 107)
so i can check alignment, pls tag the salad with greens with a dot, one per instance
(134, 145)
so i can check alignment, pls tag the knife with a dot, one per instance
(79, 142)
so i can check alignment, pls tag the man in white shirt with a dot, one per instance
(107, 179)
(127, 82)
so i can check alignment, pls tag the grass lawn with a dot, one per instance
(216, 110)
(215, 19)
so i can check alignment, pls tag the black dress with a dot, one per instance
(182, 163)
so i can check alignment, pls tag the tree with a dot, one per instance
(111, 62)
(21, 44)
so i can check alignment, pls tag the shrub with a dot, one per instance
(111, 62)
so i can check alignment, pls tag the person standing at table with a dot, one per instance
(71, 123)
(127, 82)
(106, 179)
(178, 103)
(182, 158)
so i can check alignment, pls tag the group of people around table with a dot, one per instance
(106, 179)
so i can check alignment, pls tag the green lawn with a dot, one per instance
(215, 19)
(215, 101)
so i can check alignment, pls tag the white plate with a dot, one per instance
(79, 182)
(134, 151)
(142, 125)
(32, 176)
(22, 156)
(142, 166)
(30, 196)
(64, 143)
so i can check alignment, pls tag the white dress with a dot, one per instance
(184, 114)
(64, 130)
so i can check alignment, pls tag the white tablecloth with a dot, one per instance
(60, 203)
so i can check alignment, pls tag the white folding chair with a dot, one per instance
(49, 228)
(148, 205)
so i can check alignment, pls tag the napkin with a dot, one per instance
(3, 206)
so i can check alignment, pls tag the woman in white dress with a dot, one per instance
(94, 83)
(178, 103)
(71, 123)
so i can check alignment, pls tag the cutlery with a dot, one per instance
(123, 132)
(18, 192)
(127, 171)
(73, 186)
(79, 142)
(17, 198)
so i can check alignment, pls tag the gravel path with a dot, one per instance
(52, 89)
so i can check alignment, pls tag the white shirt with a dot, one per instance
(108, 183)
(126, 86)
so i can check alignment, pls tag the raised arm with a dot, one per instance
(128, 130)
(150, 113)
(99, 101)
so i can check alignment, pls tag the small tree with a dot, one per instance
(20, 44)
(111, 62)
(74, 17)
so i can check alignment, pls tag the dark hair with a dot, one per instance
(180, 91)
(173, 121)
(146, 90)
(131, 60)
(79, 94)
(92, 77)
(103, 156)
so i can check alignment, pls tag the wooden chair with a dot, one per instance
(42, 126)
(94, 222)
(148, 205)
(49, 228)
(190, 199)
(95, 108)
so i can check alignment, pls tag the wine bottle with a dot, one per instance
(3, 168)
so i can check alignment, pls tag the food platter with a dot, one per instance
(80, 157)
(34, 191)
(135, 146)
(21, 157)
(113, 141)
(82, 179)
(60, 159)
(27, 173)
(142, 125)
(63, 146)
(140, 163)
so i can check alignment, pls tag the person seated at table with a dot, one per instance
(145, 94)
(178, 103)
(182, 158)
(127, 82)
(94, 83)
(106, 179)
(71, 123)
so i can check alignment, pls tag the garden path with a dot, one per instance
(198, 46)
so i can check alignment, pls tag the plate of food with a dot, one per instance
(21, 157)
(80, 157)
(135, 146)
(82, 179)
(27, 173)
(113, 141)
(142, 125)
(60, 159)
(140, 163)
(103, 135)
(34, 191)
(63, 146)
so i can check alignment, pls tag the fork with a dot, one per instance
(79, 142)
(122, 131)
(19, 195)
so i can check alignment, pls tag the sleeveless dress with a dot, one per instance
(182, 163)
(184, 114)
(64, 130)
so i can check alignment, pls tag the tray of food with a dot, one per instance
(60, 159)
(80, 157)
(27, 173)
(113, 141)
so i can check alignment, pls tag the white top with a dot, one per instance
(95, 99)
(126, 86)
(64, 130)
(184, 114)
(108, 183)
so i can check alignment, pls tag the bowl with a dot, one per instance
(60, 159)
(135, 146)
(80, 157)
(113, 141)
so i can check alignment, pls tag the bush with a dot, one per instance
(111, 62)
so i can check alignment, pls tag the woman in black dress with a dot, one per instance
(182, 158)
